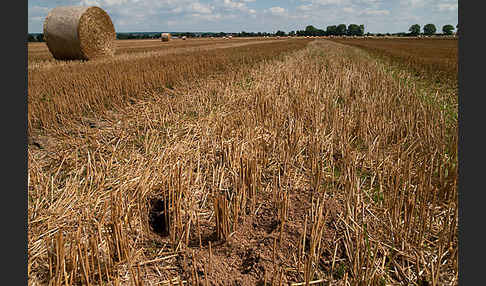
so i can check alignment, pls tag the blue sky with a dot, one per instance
(378, 16)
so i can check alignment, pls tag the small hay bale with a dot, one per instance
(165, 37)
(184, 38)
(79, 33)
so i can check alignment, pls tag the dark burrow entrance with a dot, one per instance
(159, 219)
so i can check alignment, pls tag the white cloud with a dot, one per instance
(116, 2)
(308, 7)
(37, 15)
(176, 10)
(447, 7)
(172, 23)
(413, 3)
(375, 12)
(207, 17)
(348, 9)
(38, 11)
(327, 2)
(200, 8)
(234, 5)
(38, 18)
(89, 3)
(252, 15)
(277, 11)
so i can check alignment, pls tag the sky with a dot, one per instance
(378, 16)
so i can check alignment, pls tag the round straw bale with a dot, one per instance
(165, 37)
(79, 33)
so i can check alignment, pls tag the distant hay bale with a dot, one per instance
(184, 38)
(79, 33)
(165, 37)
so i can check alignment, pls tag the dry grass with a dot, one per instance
(320, 166)
(63, 91)
(430, 63)
(434, 59)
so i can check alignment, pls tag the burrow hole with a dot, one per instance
(159, 219)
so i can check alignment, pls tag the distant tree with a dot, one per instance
(429, 29)
(331, 30)
(310, 31)
(361, 30)
(341, 29)
(353, 30)
(414, 30)
(292, 33)
(280, 33)
(447, 29)
(35, 38)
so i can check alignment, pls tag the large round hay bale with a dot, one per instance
(165, 37)
(79, 33)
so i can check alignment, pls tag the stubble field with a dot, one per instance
(240, 162)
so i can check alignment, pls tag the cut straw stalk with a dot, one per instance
(157, 259)
(308, 283)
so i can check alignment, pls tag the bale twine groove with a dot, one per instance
(79, 33)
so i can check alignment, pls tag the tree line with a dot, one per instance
(430, 29)
(333, 30)
(38, 37)
(310, 30)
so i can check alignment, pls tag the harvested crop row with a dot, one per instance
(69, 91)
(434, 59)
(39, 54)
